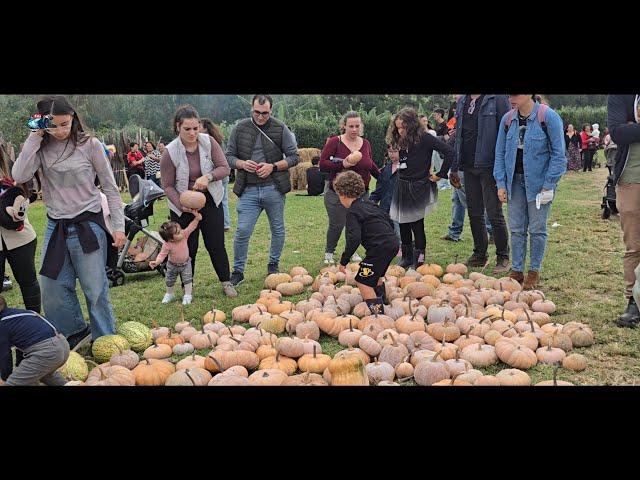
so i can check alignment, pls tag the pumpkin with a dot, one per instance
(305, 306)
(421, 341)
(575, 362)
(369, 345)
(446, 331)
(153, 372)
(125, 358)
(380, 371)
(451, 278)
(243, 313)
(278, 307)
(558, 340)
(356, 351)
(304, 380)
(221, 380)
(236, 370)
(305, 280)
(395, 271)
(440, 313)
(289, 289)
(419, 290)
(308, 329)
(457, 365)
(428, 372)
(453, 382)
(191, 377)
(298, 271)
(552, 328)
(446, 350)
(75, 368)
(526, 339)
(393, 354)
(203, 340)
(275, 279)
(110, 376)
(470, 376)
(313, 363)
(349, 337)
(479, 355)
(334, 325)
(382, 321)
(410, 323)
(187, 333)
(221, 360)
(214, 315)
(309, 345)
(550, 355)
(158, 352)
(487, 381)
(467, 339)
(421, 355)
(192, 199)
(171, 340)
(514, 355)
(274, 324)
(193, 361)
(183, 349)
(513, 377)
(347, 369)
(544, 305)
(291, 347)
(580, 336)
(272, 377)
(280, 362)
(455, 267)
(265, 351)
(105, 347)
(430, 269)
(137, 334)
(157, 332)
(404, 370)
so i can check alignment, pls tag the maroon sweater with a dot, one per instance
(334, 147)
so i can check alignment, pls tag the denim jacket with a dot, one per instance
(385, 185)
(543, 158)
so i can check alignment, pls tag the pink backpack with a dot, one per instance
(542, 112)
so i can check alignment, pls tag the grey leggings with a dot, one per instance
(41, 362)
(337, 218)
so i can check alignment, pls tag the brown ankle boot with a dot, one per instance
(531, 281)
(517, 276)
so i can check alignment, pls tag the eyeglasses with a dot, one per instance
(262, 114)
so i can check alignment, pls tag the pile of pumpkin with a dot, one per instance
(439, 328)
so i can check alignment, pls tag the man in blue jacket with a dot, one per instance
(623, 118)
(477, 121)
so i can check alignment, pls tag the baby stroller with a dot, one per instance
(136, 258)
(609, 200)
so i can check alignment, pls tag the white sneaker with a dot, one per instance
(168, 297)
(186, 300)
(328, 259)
(355, 258)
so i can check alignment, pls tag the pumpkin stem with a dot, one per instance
(210, 340)
(215, 360)
(405, 379)
(186, 372)
(453, 379)
(555, 375)
(314, 351)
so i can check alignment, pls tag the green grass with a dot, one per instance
(582, 272)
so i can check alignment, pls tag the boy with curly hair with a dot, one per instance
(370, 226)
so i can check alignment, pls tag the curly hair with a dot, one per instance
(414, 130)
(168, 230)
(349, 184)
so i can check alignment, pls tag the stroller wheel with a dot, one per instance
(612, 206)
(117, 278)
(606, 213)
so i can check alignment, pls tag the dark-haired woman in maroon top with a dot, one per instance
(341, 153)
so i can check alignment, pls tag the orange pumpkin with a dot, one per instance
(194, 200)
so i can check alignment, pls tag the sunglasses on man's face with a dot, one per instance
(261, 114)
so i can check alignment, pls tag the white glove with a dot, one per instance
(543, 198)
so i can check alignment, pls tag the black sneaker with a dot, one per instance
(76, 338)
(236, 278)
(272, 268)
(631, 317)
(476, 261)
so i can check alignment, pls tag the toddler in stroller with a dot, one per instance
(134, 258)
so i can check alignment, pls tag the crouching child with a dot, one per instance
(44, 349)
(370, 226)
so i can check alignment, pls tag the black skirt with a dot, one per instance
(413, 200)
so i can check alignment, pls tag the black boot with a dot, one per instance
(418, 258)
(375, 305)
(381, 292)
(631, 317)
(407, 255)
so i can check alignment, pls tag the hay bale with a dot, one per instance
(306, 154)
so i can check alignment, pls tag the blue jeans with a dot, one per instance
(59, 297)
(253, 200)
(525, 217)
(458, 210)
(225, 203)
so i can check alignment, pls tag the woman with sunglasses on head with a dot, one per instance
(76, 237)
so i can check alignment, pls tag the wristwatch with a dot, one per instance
(210, 177)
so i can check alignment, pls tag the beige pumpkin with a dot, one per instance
(222, 380)
(513, 377)
(479, 355)
(242, 313)
(291, 347)
(305, 280)
(431, 269)
(428, 372)
(274, 324)
(153, 372)
(190, 377)
(550, 355)
(575, 362)
(487, 381)
(455, 267)
(304, 380)
(581, 336)
(280, 362)
(288, 289)
(267, 377)
(349, 337)
(380, 371)
(158, 351)
(393, 354)
(275, 279)
(193, 361)
(298, 271)
(516, 356)
(313, 363)
(446, 331)
(193, 200)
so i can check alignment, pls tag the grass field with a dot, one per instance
(582, 272)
